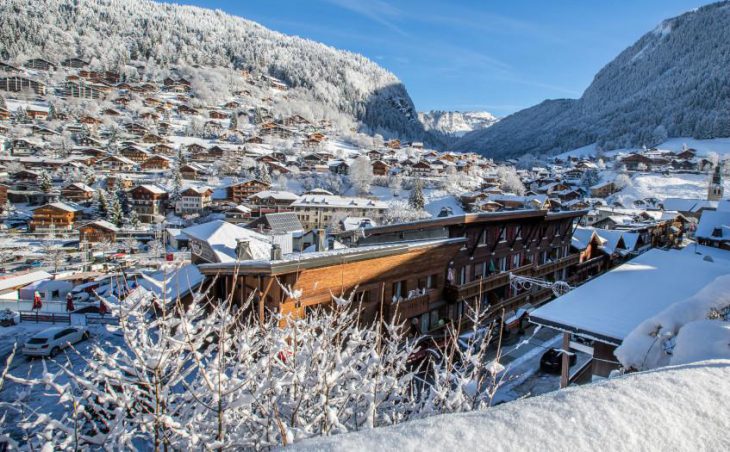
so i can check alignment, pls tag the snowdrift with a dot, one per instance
(676, 408)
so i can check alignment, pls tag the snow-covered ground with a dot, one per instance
(659, 186)
(677, 408)
(38, 396)
(717, 145)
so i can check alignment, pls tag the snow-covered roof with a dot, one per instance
(714, 225)
(352, 223)
(169, 284)
(688, 205)
(223, 237)
(338, 201)
(675, 408)
(153, 189)
(609, 307)
(582, 237)
(14, 281)
(273, 194)
(106, 225)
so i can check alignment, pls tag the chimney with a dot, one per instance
(275, 252)
(321, 240)
(243, 250)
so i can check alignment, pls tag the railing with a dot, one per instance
(557, 265)
(45, 317)
(413, 306)
(510, 304)
(475, 288)
(52, 317)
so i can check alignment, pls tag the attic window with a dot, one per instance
(717, 232)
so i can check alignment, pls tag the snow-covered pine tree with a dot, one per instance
(46, 184)
(115, 213)
(416, 199)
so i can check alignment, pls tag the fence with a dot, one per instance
(45, 317)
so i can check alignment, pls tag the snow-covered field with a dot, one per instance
(717, 145)
(645, 185)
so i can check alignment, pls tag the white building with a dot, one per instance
(318, 211)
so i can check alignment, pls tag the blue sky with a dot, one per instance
(498, 56)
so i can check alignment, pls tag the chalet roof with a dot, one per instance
(338, 201)
(223, 238)
(81, 186)
(299, 261)
(68, 207)
(278, 195)
(152, 189)
(103, 224)
(278, 222)
(609, 307)
(714, 225)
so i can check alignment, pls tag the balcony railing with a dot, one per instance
(559, 264)
(416, 305)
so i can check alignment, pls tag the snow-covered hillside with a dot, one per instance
(141, 38)
(670, 83)
(456, 123)
(677, 408)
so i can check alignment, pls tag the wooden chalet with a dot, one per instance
(156, 162)
(57, 216)
(98, 231)
(240, 192)
(77, 192)
(149, 201)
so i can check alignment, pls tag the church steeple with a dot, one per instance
(716, 191)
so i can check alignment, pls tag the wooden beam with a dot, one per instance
(565, 371)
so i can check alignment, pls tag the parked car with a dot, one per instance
(51, 341)
(552, 361)
(9, 318)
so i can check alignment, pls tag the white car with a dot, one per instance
(51, 341)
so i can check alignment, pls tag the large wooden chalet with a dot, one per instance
(424, 272)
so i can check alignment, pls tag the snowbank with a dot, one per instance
(661, 340)
(677, 408)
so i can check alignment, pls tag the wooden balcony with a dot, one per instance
(510, 304)
(559, 264)
(414, 306)
(475, 288)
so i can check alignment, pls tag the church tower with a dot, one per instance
(715, 190)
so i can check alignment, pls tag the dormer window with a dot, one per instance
(717, 232)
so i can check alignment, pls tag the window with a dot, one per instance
(434, 318)
(483, 238)
(432, 281)
(462, 275)
(502, 234)
(516, 260)
(503, 264)
(424, 322)
(399, 289)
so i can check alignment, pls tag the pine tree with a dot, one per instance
(264, 175)
(103, 207)
(134, 219)
(46, 183)
(234, 121)
(177, 181)
(416, 200)
(116, 214)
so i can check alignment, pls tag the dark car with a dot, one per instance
(552, 361)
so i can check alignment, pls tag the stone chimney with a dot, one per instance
(275, 252)
(243, 250)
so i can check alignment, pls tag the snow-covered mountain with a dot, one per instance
(142, 38)
(673, 82)
(456, 123)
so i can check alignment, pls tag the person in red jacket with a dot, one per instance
(37, 303)
(69, 302)
(102, 307)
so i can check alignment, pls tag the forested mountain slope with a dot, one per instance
(121, 35)
(673, 82)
